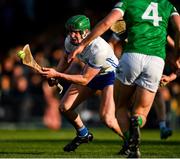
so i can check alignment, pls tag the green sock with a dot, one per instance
(140, 121)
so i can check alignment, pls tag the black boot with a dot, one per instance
(124, 150)
(77, 141)
(134, 140)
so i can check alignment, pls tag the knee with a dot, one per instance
(63, 109)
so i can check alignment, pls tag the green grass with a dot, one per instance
(49, 144)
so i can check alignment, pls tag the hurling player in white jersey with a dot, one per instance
(98, 74)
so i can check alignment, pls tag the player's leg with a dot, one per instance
(147, 85)
(107, 110)
(52, 117)
(126, 74)
(142, 105)
(122, 113)
(144, 74)
(72, 98)
(160, 108)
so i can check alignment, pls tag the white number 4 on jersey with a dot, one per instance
(152, 8)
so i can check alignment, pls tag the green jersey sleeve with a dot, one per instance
(121, 6)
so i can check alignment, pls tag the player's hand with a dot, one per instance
(73, 54)
(49, 72)
(164, 80)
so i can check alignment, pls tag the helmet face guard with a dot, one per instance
(78, 23)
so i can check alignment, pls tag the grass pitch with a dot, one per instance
(49, 144)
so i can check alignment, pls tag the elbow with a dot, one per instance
(84, 81)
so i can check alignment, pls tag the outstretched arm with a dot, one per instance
(102, 26)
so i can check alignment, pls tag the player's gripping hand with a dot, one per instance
(49, 72)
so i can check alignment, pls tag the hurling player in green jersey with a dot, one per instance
(118, 40)
(141, 65)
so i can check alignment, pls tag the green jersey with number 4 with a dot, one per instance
(146, 22)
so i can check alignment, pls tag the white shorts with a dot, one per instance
(140, 69)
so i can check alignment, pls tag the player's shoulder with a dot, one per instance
(165, 2)
(68, 45)
(99, 41)
(100, 46)
(67, 40)
(167, 7)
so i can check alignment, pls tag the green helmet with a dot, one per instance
(78, 23)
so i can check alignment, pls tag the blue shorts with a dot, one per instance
(101, 81)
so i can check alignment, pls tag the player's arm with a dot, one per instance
(176, 25)
(99, 29)
(175, 44)
(82, 79)
(103, 26)
(166, 79)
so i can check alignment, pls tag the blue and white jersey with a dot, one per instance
(98, 54)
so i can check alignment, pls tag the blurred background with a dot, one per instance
(26, 100)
